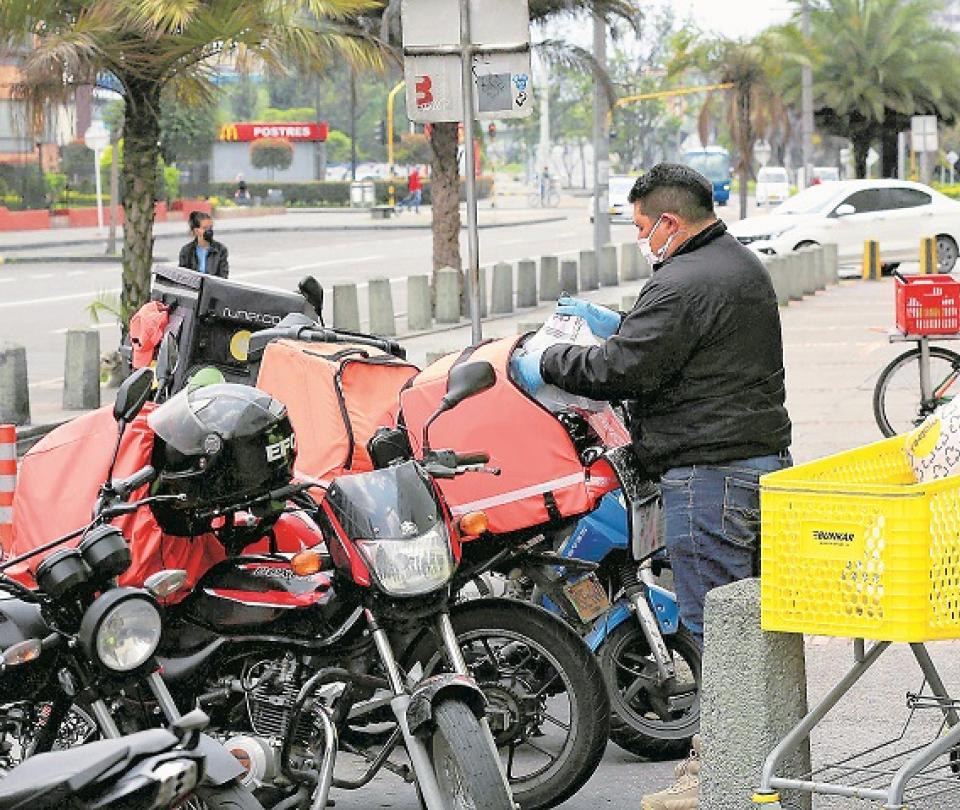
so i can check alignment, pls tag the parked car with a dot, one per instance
(773, 185)
(618, 207)
(897, 213)
(825, 174)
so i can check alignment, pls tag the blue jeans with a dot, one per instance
(712, 515)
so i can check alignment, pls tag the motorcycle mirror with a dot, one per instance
(463, 381)
(165, 583)
(132, 394)
(312, 291)
(167, 357)
(22, 653)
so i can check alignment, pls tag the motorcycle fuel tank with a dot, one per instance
(255, 593)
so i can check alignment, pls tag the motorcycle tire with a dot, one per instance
(231, 796)
(639, 724)
(468, 773)
(531, 631)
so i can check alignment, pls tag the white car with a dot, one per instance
(618, 207)
(847, 213)
(773, 185)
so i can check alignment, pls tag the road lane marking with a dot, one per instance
(311, 266)
(47, 383)
(54, 299)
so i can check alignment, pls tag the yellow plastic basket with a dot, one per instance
(852, 547)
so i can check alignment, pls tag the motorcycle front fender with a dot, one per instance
(618, 614)
(665, 608)
(220, 765)
(441, 687)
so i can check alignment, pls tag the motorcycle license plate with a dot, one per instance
(588, 597)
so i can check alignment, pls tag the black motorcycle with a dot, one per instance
(77, 649)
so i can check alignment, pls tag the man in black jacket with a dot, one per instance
(204, 254)
(699, 361)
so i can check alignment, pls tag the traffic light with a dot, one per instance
(382, 131)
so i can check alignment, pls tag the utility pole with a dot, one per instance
(353, 124)
(543, 96)
(601, 148)
(114, 190)
(806, 100)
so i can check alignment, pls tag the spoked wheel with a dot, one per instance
(647, 718)
(897, 402)
(467, 770)
(547, 707)
(947, 254)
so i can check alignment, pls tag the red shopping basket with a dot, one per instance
(928, 305)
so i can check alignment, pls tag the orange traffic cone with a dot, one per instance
(8, 483)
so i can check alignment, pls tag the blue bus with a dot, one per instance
(713, 162)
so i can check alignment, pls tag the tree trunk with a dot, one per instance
(746, 143)
(445, 197)
(888, 148)
(861, 145)
(141, 133)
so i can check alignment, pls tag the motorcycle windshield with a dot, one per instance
(396, 503)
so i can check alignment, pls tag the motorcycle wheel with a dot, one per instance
(641, 719)
(231, 796)
(547, 706)
(467, 772)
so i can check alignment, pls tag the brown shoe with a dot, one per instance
(684, 794)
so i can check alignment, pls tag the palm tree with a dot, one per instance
(754, 105)
(150, 45)
(875, 63)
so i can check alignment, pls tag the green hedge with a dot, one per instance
(952, 190)
(323, 193)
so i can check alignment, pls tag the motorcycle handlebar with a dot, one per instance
(478, 457)
(125, 486)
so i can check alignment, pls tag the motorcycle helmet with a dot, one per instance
(221, 446)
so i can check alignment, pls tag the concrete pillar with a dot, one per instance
(502, 293)
(831, 256)
(432, 357)
(629, 261)
(627, 302)
(526, 283)
(808, 270)
(81, 370)
(419, 316)
(794, 275)
(568, 277)
(589, 276)
(820, 268)
(14, 392)
(346, 308)
(779, 276)
(643, 266)
(448, 295)
(382, 321)
(608, 266)
(549, 278)
(745, 667)
(528, 326)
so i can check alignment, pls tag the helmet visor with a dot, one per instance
(177, 424)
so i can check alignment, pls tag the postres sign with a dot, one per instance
(253, 131)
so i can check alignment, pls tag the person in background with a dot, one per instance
(415, 189)
(204, 254)
(699, 362)
(242, 195)
(545, 181)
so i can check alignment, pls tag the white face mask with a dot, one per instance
(654, 256)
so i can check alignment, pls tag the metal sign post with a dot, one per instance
(463, 60)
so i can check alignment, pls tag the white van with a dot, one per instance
(773, 185)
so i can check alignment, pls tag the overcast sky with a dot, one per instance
(734, 18)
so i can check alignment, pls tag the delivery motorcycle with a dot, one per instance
(75, 647)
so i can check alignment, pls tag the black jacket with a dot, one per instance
(699, 359)
(218, 263)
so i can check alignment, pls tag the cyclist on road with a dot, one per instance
(699, 360)
(546, 184)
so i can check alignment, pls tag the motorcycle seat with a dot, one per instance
(49, 779)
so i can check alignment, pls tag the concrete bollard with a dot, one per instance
(608, 266)
(745, 667)
(81, 370)
(808, 270)
(629, 261)
(794, 276)
(382, 321)
(526, 283)
(820, 267)
(549, 278)
(346, 308)
(528, 326)
(644, 270)
(627, 302)
(589, 275)
(778, 269)
(568, 277)
(419, 316)
(14, 391)
(871, 266)
(502, 294)
(832, 259)
(432, 357)
(448, 295)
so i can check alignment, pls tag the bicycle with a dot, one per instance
(917, 382)
(550, 198)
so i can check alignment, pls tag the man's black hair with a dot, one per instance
(196, 217)
(674, 189)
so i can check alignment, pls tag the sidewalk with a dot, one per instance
(71, 243)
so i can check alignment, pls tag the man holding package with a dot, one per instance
(699, 362)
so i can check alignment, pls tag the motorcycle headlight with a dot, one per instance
(411, 566)
(121, 629)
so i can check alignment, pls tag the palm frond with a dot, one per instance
(563, 54)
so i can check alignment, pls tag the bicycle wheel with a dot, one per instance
(533, 200)
(897, 402)
(553, 198)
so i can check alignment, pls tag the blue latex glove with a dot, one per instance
(603, 322)
(526, 371)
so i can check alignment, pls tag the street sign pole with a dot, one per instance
(473, 240)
